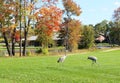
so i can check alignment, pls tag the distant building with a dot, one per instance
(32, 40)
(100, 38)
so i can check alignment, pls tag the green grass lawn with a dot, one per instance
(75, 69)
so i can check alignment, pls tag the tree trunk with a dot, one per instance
(25, 43)
(26, 28)
(7, 44)
(13, 42)
(20, 29)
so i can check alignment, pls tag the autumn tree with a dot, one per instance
(2, 24)
(16, 13)
(48, 20)
(116, 15)
(28, 11)
(71, 9)
(74, 34)
(6, 22)
(20, 13)
(15, 20)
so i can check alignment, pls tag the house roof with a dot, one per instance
(54, 37)
(32, 38)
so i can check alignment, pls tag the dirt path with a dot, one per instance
(112, 49)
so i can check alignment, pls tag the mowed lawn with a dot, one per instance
(76, 69)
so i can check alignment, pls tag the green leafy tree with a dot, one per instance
(87, 40)
(115, 36)
(115, 27)
(101, 28)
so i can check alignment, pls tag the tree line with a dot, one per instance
(22, 18)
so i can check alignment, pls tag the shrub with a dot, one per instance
(28, 53)
(45, 51)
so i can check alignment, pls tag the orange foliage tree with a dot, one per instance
(20, 13)
(48, 21)
(74, 34)
(27, 19)
(71, 27)
(6, 21)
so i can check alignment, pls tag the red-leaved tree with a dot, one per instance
(48, 21)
